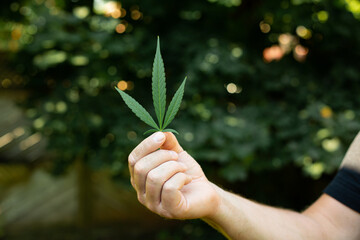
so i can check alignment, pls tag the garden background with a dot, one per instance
(270, 106)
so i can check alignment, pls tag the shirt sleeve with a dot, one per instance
(345, 188)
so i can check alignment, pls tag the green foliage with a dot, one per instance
(242, 118)
(159, 98)
(241, 115)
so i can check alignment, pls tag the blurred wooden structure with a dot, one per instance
(31, 199)
(16, 142)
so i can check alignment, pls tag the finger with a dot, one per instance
(148, 145)
(194, 169)
(146, 164)
(171, 143)
(171, 197)
(156, 179)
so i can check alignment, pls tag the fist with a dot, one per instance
(168, 181)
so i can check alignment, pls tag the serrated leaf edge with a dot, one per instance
(159, 85)
(174, 104)
(139, 111)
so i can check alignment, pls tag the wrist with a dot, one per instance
(220, 207)
(221, 214)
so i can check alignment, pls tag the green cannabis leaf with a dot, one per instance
(159, 86)
(139, 110)
(159, 98)
(174, 104)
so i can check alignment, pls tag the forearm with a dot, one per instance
(239, 218)
(172, 184)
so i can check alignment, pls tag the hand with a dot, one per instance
(168, 181)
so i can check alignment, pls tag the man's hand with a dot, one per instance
(171, 183)
(168, 181)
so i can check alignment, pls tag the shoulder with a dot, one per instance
(352, 157)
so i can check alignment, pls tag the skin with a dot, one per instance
(169, 182)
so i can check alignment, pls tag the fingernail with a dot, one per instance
(158, 137)
(173, 154)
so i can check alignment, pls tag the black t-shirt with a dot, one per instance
(345, 188)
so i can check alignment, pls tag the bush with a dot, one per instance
(270, 84)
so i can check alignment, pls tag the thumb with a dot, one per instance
(171, 143)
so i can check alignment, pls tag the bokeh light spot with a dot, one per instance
(136, 14)
(303, 32)
(300, 53)
(272, 53)
(6, 83)
(189, 136)
(237, 52)
(81, 12)
(264, 27)
(130, 85)
(287, 42)
(79, 60)
(323, 16)
(232, 121)
(326, 112)
(116, 13)
(120, 28)
(315, 170)
(323, 133)
(122, 85)
(112, 70)
(123, 12)
(231, 88)
(131, 135)
(39, 123)
(61, 107)
(212, 58)
(331, 145)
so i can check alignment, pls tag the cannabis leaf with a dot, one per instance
(174, 104)
(159, 98)
(158, 85)
(139, 110)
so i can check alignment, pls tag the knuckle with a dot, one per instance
(141, 198)
(174, 165)
(181, 175)
(161, 154)
(134, 153)
(153, 177)
(139, 169)
(168, 154)
(166, 214)
(164, 152)
(151, 206)
(169, 187)
(131, 159)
